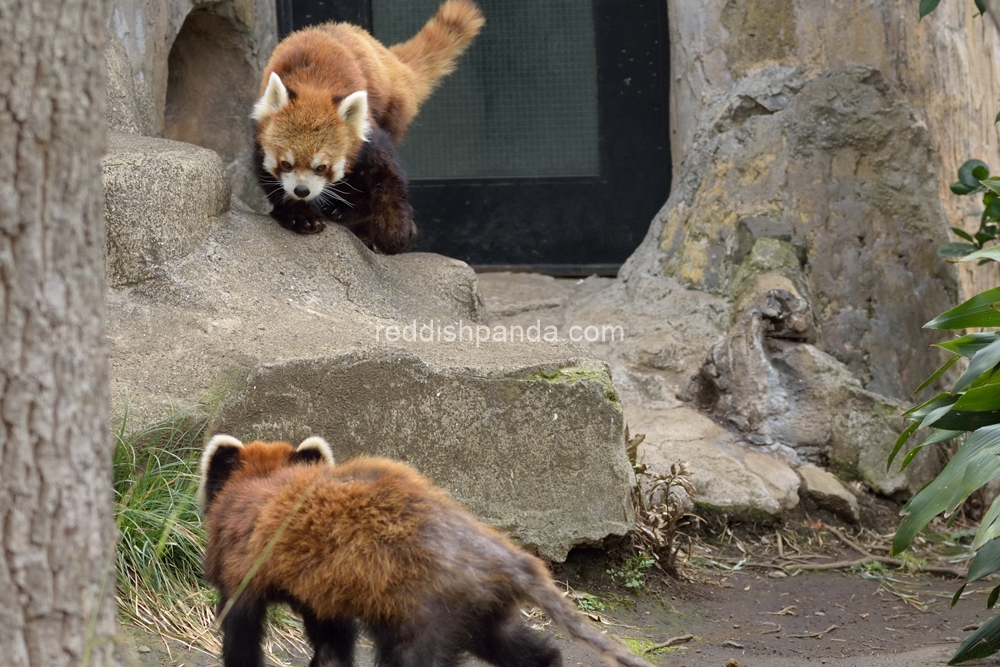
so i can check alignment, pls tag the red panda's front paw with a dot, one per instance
(300, 222)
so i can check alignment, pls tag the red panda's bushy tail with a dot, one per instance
(432, 52)
(536, 585)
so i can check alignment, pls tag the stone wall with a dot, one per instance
(836, 130)
(943, 66)
(196, 69)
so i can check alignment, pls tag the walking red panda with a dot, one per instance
(333, 104)
(369, 544)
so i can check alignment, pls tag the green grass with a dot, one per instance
(161, 539)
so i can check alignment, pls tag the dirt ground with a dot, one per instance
(843, 618)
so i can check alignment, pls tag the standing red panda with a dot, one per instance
(369, 543)
(334, 102)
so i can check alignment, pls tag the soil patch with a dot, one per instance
(843, 618)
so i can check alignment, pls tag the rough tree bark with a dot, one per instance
(56, 529)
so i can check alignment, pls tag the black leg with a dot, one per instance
(242, 632)
(373, 201)
(509, 643)
(431, 646)
(332, 641)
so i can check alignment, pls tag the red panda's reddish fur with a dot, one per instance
(304, 141)
(372, 541)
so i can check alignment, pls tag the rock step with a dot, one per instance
(292, 331)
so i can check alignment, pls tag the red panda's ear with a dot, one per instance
(220, 458)
(313, 450)
(275, 98)
(354, 111)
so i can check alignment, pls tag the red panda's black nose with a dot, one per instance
(301, 191)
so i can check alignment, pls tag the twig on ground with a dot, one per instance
(673, 641)
(815, 635)
(868, 557)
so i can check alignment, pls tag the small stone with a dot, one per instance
(827, 491)
(143, 649)
(777, 574)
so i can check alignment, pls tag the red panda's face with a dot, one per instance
(308, 139)
(225, 459)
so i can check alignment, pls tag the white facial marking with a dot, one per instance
(303, 177)
(338, 170)
(270, 163)
(274, 99)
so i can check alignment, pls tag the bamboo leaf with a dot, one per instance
(980, 399)
(983, 642)
(976, 312)
(900, 441)
(974, 464)
(968, 345)
(935, 375)
(939, 436)
(981, 363)
(958, 594)
(989, 527)
(985, 563)
(993, 253)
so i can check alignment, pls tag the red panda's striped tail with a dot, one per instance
(432, 52)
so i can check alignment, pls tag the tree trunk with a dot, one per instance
(57, 576)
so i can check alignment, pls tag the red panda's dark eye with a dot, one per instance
(320, 169)
(285, 166)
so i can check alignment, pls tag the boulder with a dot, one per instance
(779, 390)
(835, 173)
(724, 484)
(828, 493)
(161, 199)
(285, 336)
(122, 113)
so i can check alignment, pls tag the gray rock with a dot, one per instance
(778, 477)
(767, 382)
(828, 493)
(827, 175)
(161, 199)
(535, 450)
(122, 112)
(723, 482)
(291, 331)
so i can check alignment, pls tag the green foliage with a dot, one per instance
(969, 411)
(588, 602)
(162, 537)
(632, 573)
(974, 179)
(928, 6)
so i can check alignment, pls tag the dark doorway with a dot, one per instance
(548, 148)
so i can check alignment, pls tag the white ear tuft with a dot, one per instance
(274, 99)
(354, 111)
(318, 445)
(211, 449)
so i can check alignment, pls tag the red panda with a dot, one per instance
(369, 544)
(333, 104)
